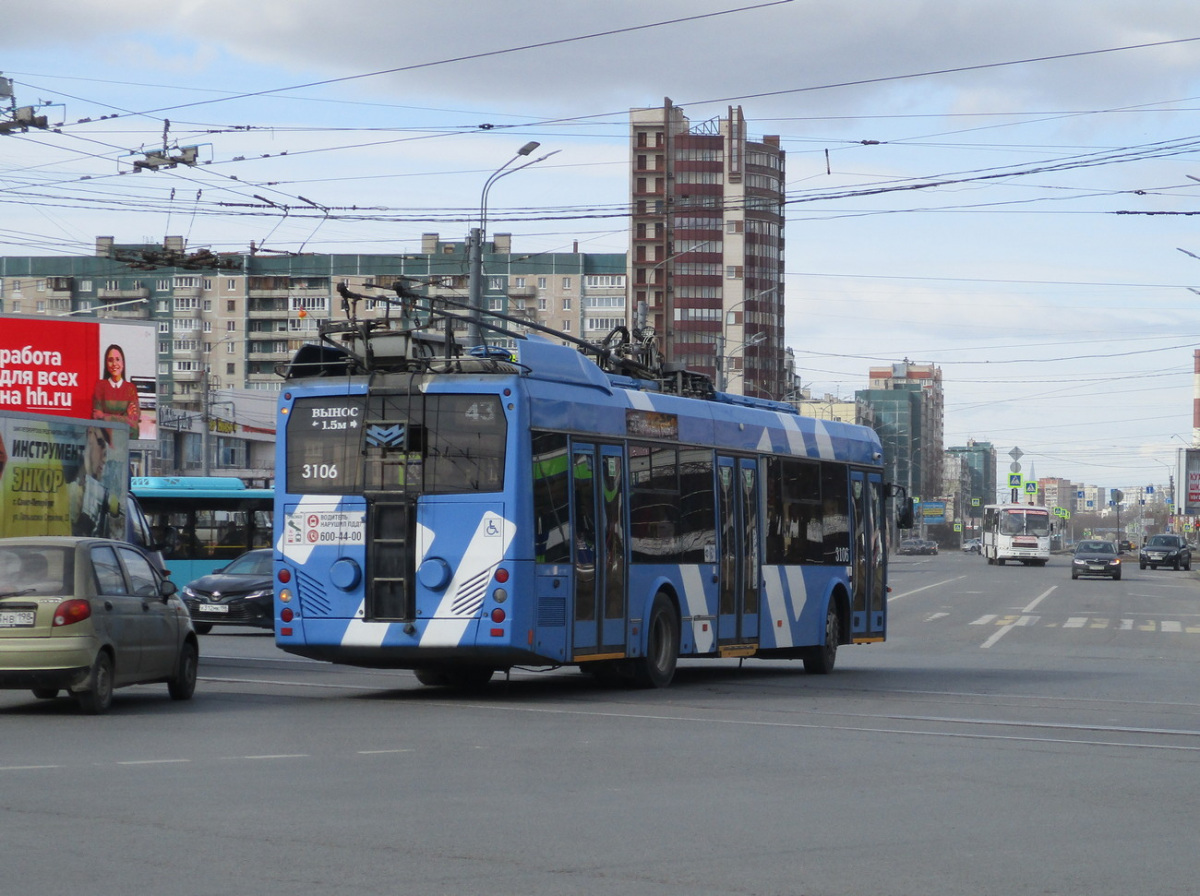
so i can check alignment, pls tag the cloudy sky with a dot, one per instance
(1009, 190)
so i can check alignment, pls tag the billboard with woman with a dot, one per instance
(84, 369)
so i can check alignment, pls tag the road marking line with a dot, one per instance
(1076, 622)
(1023, 620)
(923, 588)
(1017, 621)
(984, 620)
(149, 761)
(276, 756)
(1037, 600)
(1170, 626)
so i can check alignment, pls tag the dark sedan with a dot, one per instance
(1096, 558)
(238, 594)
(1165, 550)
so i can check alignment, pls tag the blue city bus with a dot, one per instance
(460, 513)
(200, 523)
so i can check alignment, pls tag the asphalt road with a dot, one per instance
(1019, 733)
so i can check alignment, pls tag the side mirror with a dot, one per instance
(904, 516)
(168, 588)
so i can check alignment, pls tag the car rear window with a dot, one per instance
(36, 569)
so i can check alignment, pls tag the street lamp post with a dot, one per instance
(722, 357)
(475, 280)
(727, 320)
(1170, 484)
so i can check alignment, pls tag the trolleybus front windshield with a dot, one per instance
(418, 443)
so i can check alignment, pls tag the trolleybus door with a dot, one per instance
(737, 508)
(868, 599)
(598, 485)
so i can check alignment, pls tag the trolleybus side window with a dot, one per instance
(835, 501)
(795, 531)
(750, 574)
(654, 503)
(612, 482)
(551, 498)
(697, 502)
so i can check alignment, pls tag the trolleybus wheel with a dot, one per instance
(820, 660)
(465, 678)
(433, 678)
(657, 667)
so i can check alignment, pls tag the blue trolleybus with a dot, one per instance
(461, 512)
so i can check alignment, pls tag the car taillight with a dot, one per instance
(71, 611)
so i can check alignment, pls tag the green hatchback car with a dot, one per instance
(87, 615)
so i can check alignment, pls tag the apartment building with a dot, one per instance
(706, 246)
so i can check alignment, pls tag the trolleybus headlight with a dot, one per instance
(285, 575)
(286, 614)
(285, 595)
(502, 575)
(498, 615)
(499, 595)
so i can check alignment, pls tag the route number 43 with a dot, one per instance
(481, 412)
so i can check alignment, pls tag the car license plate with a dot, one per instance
(1096, 568)
(213, 608)
(17, 618)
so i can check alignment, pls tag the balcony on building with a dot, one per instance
(266, 287)
(268, 307)
(127, 293)
(268, 351)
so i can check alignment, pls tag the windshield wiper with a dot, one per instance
(17, 593)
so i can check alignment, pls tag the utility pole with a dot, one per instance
(205, 465)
